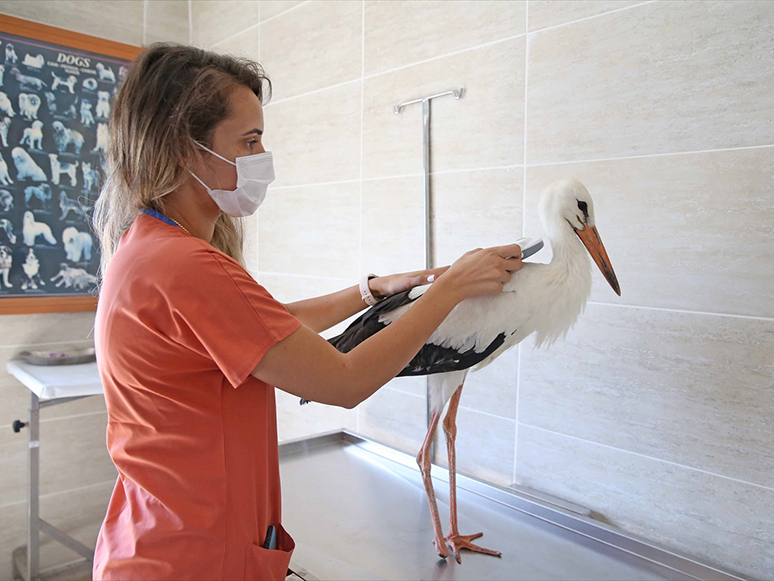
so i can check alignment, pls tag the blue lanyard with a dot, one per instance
(159, 216)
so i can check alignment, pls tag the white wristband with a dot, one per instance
(365, 292)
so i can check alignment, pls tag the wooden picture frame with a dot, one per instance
(74, 41)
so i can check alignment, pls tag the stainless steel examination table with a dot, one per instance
(357, 510)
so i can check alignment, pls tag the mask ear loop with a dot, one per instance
(198, 180)
(206, 187)
(213, 153)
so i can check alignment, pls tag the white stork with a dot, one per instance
(545, 299)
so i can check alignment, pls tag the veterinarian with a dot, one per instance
(189, 345)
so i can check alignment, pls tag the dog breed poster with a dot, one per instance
(54, 108)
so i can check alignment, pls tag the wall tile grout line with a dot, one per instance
(523, 230)
(664, 309)
(296, 7)
(83, 415)
(515, 166)
(446, 55)
(362, 115)
(623, 450)
(326, 88)
(462, 407)
(539, 30)
(664, 154)
(257, 24)
(686, 311)
(60, 492)
(269, 272)
(145, 22)
(397, 176)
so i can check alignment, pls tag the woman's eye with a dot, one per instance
(250, 143)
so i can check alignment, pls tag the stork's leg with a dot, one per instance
(423, 459)
(455, 539)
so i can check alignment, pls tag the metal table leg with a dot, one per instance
(33, 491)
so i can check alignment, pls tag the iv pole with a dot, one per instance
(426, 163)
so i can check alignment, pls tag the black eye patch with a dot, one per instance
(584, 208)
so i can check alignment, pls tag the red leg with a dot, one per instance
(454, 538)
(423, 459)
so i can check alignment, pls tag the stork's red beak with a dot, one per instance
(593, 243)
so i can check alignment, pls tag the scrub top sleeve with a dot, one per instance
(234, 318)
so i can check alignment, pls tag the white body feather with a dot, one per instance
(545, 299)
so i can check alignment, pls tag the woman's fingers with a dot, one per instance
(508, 251)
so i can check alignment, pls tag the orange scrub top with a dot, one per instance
(179, 327)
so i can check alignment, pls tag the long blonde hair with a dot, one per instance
(172, 95)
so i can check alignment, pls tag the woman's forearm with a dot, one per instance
(382, 356)
(321, 313)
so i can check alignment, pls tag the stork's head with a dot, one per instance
(565, 207)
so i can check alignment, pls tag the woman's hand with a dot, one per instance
(482, 271)
(385, 286)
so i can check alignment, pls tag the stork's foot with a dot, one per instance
(459, 542)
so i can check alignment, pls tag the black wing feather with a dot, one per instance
(429, 360)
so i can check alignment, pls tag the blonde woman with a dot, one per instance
(189, 345)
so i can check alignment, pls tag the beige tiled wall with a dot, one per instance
(654, 411)
(77, 475)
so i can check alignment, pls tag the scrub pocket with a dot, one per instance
(269, 565)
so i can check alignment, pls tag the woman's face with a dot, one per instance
(237, 136)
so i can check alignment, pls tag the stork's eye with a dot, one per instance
(583, 208)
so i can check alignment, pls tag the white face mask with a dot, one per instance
(254, 174)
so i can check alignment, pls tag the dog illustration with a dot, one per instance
(74, 277)
(5, 179)
(102, 138)
(76, 244)
(90, 176)
(6, 228)
(2, 72)
(10, 54)
(28, 80)
(33, 136)
(53, 108)
(122, 72)
(51, 102)
(29, 103)
(67, 205)
(87, 119)
(26, 166)
(69, 82)
(103, 104)
(31, 268)
(42, 193)
(64, 136)
(6, 260)
(90, 84)
(36, 62)
(6, 201)
(63, 167)
(32, 229)
(5, 124)
(5, 105)
(105, 73)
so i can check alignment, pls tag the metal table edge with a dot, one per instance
(531, 505)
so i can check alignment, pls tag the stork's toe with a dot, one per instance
(459, 542)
